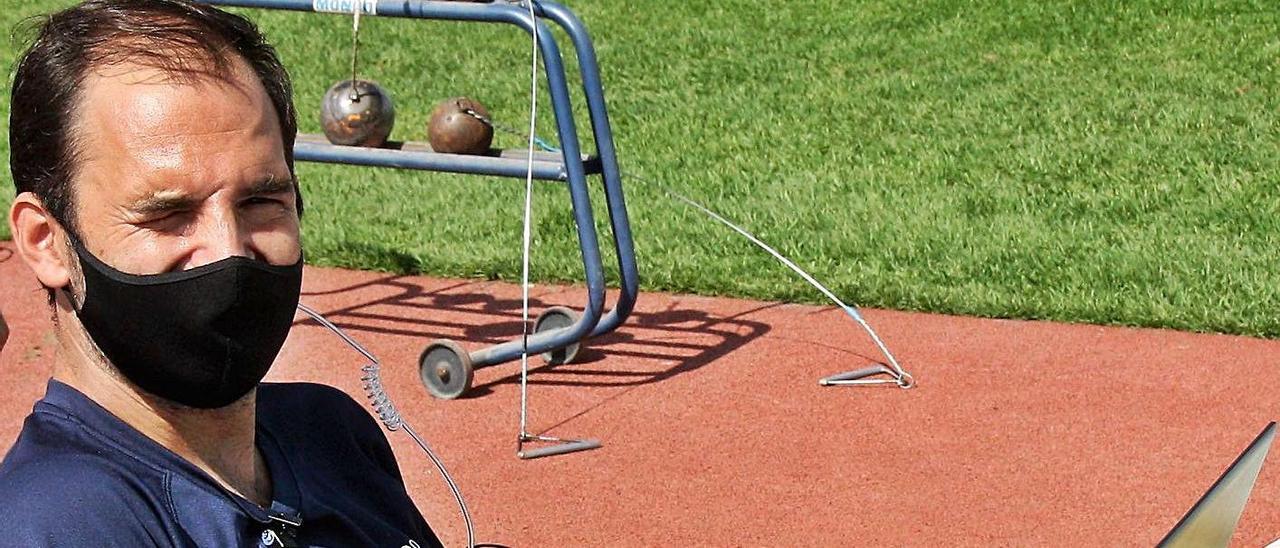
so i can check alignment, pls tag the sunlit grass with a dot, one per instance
(1109, 162)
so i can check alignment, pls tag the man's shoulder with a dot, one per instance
(69, 498)
(304, 396)
(307, 406)
(305, 416)
(63, 476)
(23, 467)
(57, 458)
(58, 449)
(65, 482)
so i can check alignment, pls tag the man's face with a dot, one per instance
(177, 175)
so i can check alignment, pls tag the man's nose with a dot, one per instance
(222, 237)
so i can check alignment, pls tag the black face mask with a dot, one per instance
(202, 337)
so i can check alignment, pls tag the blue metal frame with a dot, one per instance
(593, 321)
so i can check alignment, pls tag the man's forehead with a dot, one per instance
(128, 101)
(162, 131)
(126, 79)
(176, 60)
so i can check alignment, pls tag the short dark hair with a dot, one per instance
(185, 40)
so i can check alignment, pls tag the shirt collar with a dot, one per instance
(66, 401)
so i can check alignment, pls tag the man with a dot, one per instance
(152, 153)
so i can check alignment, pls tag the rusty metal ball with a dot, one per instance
(460, 125)
(357, 115)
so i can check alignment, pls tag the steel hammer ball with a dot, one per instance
(460, 125)
(357, 113)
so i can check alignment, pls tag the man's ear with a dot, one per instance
(38, 237)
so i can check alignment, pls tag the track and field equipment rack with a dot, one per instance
(445, 367)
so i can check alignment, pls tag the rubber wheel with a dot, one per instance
(558, 317)
(445, 369)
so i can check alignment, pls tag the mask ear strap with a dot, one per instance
(79, 250)
(71, 298)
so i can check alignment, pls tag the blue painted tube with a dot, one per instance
(614, 198)
(582, 214)
(311, 151)
(417, 9)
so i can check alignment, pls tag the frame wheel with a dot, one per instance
(558, 317)
(445, 369)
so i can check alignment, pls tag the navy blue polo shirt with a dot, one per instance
(79, 476)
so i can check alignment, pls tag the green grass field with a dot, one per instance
(1091, 161)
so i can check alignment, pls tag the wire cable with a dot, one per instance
(526, 241)
(357, 7)
(387, 413)
(904, 379)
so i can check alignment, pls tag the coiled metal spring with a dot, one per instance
(378, 398)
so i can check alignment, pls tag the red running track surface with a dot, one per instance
(716, 432)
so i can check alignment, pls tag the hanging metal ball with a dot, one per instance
(359, 115)
(460, 125)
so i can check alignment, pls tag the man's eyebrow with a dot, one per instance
(163, 202)
(271, 185)
(168, 201)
